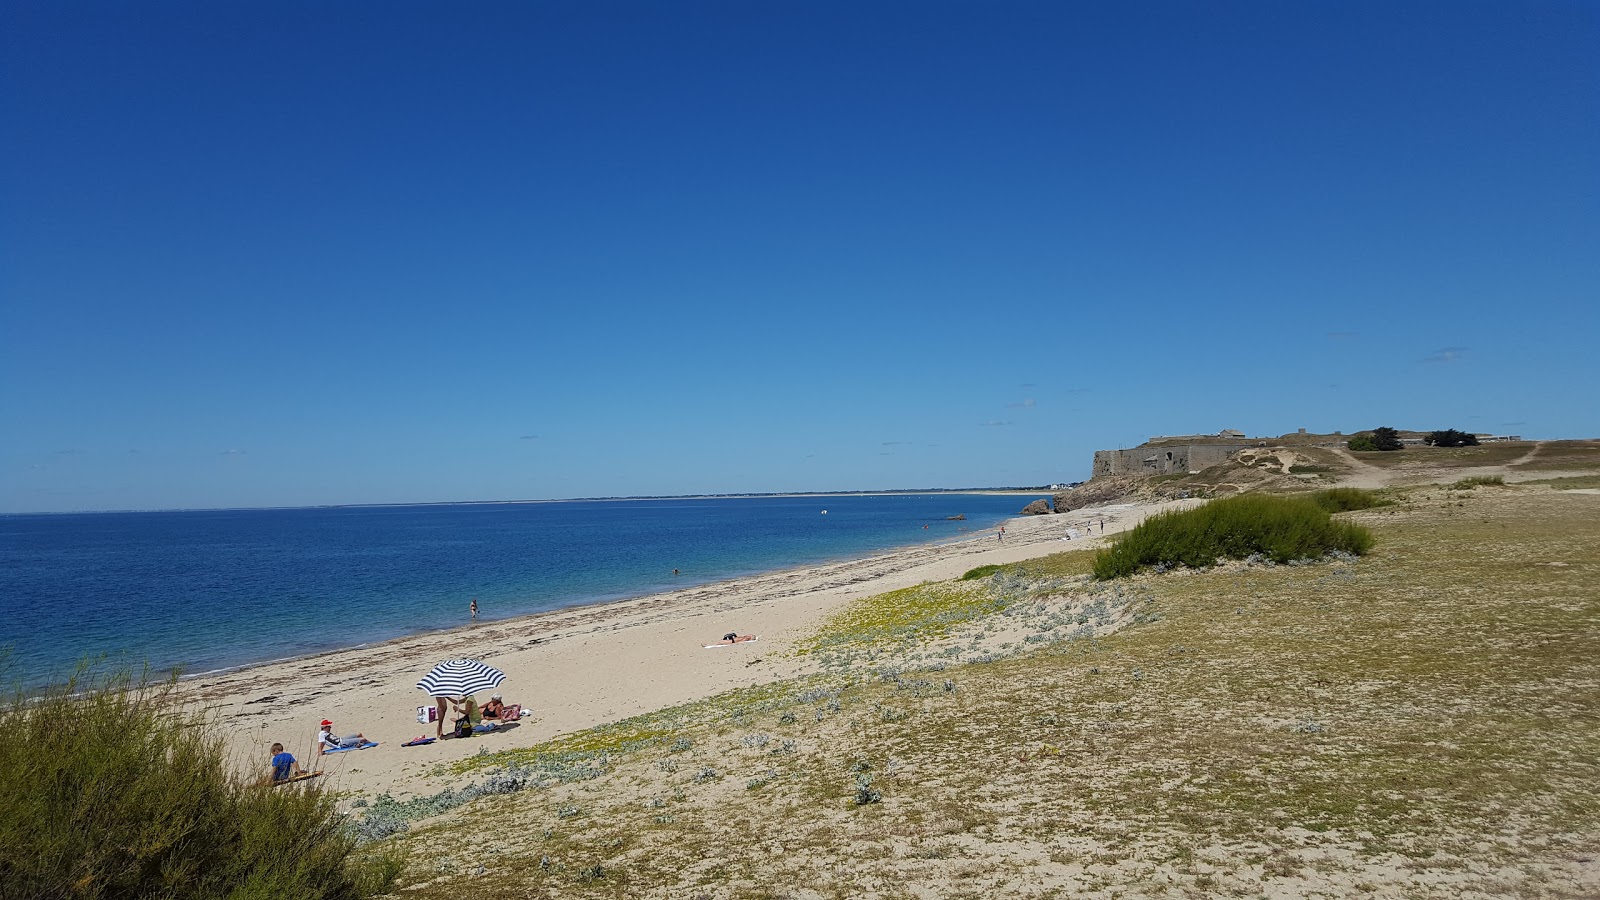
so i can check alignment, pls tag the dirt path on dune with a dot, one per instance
(1526, 458)
(1362, 474)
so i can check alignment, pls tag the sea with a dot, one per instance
(197, 591)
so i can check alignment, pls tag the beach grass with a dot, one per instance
(1277, 527)
(110, 789)
(1416, 722)
(1477, 481)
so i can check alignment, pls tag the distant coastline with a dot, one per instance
(893, 492)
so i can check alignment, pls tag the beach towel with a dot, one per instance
(303, 776)
(509, 714)
(366, 746)
(751, 641)
(484, 728)
(418, 742)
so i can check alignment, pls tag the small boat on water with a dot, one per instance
(957, 518)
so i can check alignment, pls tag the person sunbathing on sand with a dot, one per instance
(497, 711)
(326, 741)
(733, 637)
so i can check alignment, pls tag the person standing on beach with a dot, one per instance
(474, 609)
(1002, 534)
(441, 709)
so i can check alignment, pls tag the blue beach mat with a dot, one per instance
(418, 742)
(366, 746)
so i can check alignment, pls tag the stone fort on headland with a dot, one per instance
(1189, 453)
(1166, 459)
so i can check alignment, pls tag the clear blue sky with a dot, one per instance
(288, 253)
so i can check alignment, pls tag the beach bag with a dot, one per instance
(463, 728)
(427, 714)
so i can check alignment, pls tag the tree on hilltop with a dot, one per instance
(1386, 438)
(1450, 437)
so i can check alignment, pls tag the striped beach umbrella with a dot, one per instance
(460, 677)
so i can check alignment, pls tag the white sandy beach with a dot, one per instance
(582, 667)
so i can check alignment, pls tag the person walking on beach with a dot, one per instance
(474, 609)
(1002, 534)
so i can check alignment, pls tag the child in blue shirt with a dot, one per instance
(283, 764)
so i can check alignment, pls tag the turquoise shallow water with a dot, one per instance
(208, 589)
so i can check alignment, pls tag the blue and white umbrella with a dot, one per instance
(460, 678)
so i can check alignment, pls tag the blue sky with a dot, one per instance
(261, 254)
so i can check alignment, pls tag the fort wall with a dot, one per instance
(1169, 459)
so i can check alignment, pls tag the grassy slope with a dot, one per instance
(1421, 722)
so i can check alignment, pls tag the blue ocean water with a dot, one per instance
(203, 590)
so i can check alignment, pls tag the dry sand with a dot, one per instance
(582, 667)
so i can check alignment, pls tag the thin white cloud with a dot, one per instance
(231, 452)
(1028, 403)
(994, 423)
(1446, 355)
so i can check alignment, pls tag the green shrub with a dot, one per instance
(110, 790)
(979, 572)
(1335, 500)
(1450, 437)
(1467, 484)
(1280, 528)
(1363, 443)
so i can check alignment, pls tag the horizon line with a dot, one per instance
(598, 499)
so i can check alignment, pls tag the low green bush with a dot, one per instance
(1363, 443)
(111, 790)
(1279, 528)
(1467, 484)
(1335, 500)
(979, 572)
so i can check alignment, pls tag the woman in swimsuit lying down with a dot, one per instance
(734, 637)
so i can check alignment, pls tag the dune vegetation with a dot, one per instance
(111, 790)
(1278, 528)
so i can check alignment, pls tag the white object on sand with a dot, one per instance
(735, 644)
